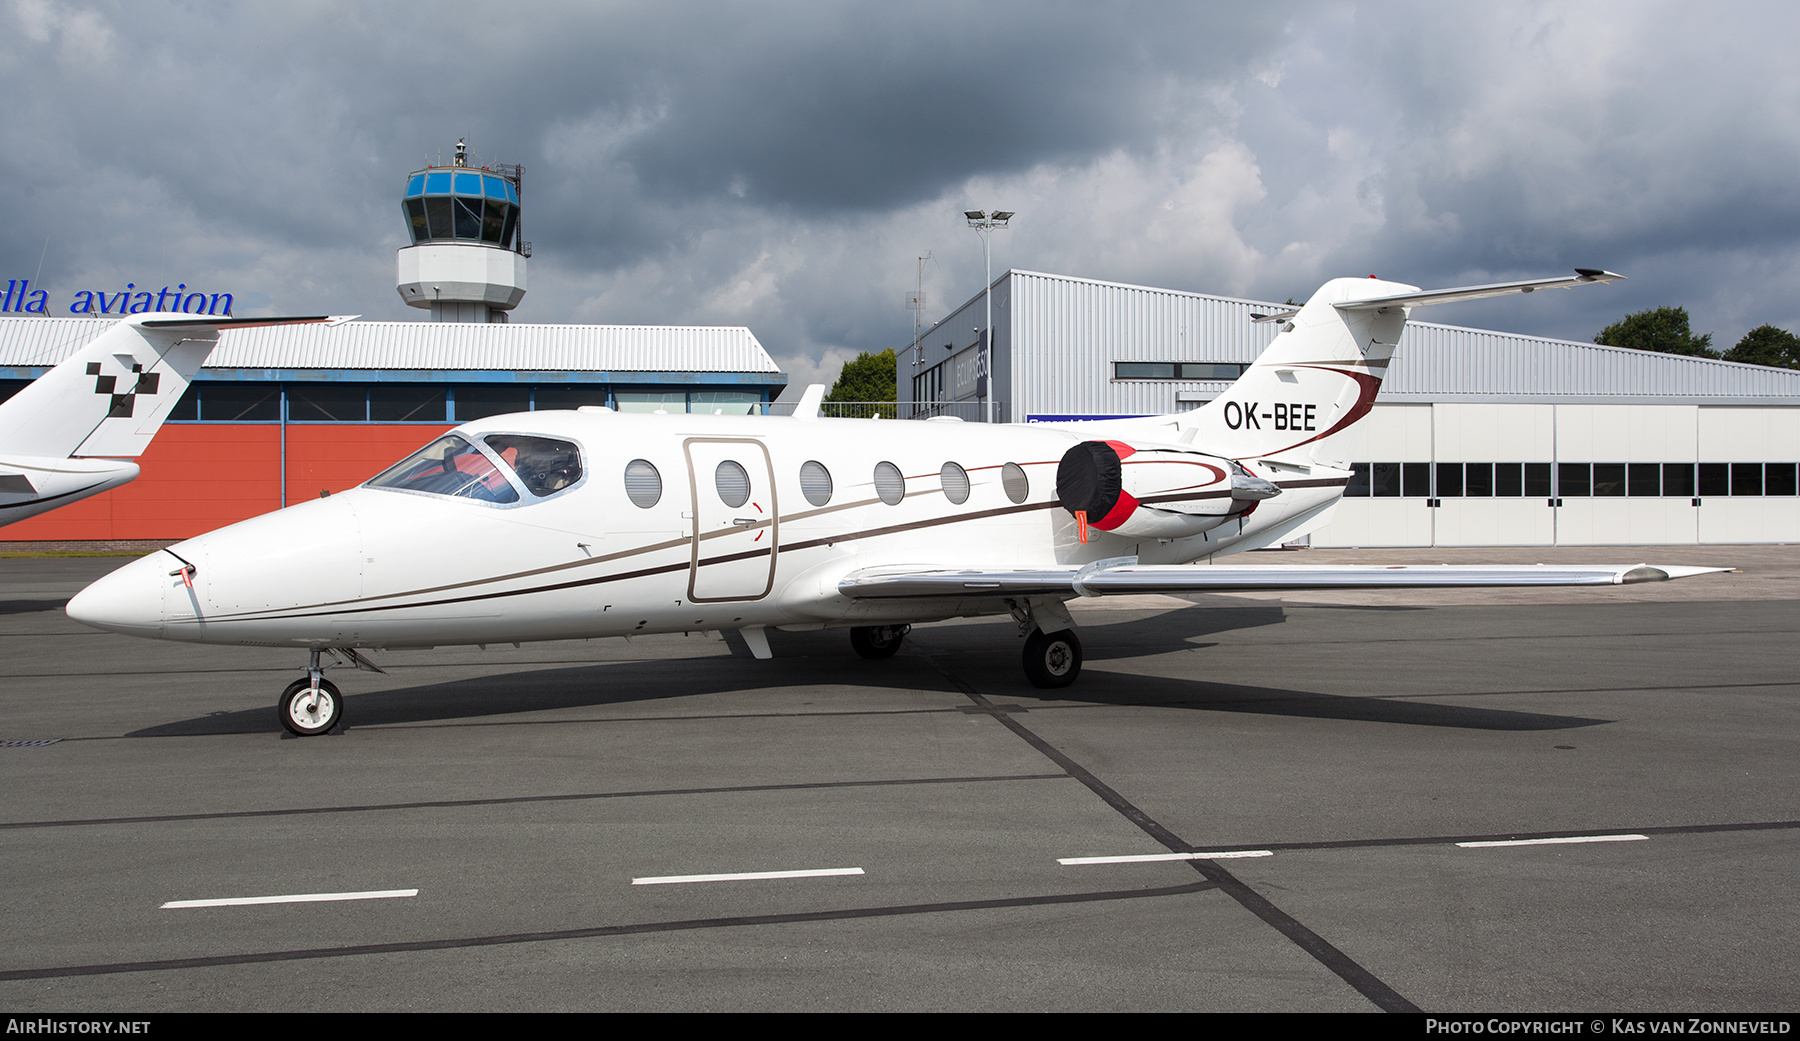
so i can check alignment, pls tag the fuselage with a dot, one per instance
(666, 523)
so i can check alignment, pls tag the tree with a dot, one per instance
(1767, 345)
(867, 377)
(1663, 329)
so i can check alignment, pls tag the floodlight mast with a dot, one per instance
(984, 224)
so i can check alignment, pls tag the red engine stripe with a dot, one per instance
(1118, 514)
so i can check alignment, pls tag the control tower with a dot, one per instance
(466, 263)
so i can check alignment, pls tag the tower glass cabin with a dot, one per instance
(466, 262)
(455, 205)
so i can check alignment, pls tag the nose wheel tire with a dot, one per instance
(876, 642)
(1052, 660)
(306, 710)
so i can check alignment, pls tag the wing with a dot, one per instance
(1106, 579)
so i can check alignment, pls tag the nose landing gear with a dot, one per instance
(310, 706)
(313, 705)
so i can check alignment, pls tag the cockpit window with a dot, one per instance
(544, 465)
(450, 466)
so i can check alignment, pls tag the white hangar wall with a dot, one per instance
(1478, 437)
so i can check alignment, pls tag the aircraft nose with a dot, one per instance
(130, 600)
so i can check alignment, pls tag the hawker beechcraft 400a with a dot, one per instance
(567, 524)
(63, 437)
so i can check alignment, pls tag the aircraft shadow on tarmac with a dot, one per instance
(824, 659)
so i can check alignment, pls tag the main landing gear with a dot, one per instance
(1052, 660)
(313, 705)
(876, 642)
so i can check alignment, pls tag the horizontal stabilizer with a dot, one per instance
(919, 582)
(109, 398)
(1582, 276)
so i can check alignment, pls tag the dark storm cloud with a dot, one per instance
(783, 165)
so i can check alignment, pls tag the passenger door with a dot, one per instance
(731, 484)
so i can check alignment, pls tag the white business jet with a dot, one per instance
(563, 524)
(71, 433)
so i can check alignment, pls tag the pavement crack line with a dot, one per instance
(1346, 968)
(552, 935)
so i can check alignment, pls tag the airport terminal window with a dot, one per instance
(238, 402)
(955, 482)
(889, 484)
(1609, 480)
(1779, 479)
(572, 395)
(815, 482)
(1678, 479)
(643, 485)
(726, 402)
(450, 466)
(545, 465)
(408, 403)
(1177, 370)
(326, 403)
(650, 401)
(477, 402)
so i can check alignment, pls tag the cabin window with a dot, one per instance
(889, 484)
(815, 482)
(545, 465)
(450, 466)
(733, 483)
(1012, 478)
(956, 483)
(643, 485)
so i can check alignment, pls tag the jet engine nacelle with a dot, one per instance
(1155, 491)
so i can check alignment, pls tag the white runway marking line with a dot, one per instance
(1556, 841)
(295, 898)
(1147, 858)
(744, 876)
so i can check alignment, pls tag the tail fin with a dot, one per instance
(110, 397)
(1303, 395)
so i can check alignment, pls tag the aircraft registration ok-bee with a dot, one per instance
(566, 524)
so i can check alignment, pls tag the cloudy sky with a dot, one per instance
(783, 165)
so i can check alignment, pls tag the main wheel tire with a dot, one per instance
(1052, 660)
(876, 642)
(306, 713)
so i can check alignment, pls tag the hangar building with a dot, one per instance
(1478, 438)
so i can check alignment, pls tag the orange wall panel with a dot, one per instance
(335, 456)
(200, 476)
(194, 477)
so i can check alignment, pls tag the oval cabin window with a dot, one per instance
(1012, 478)
(815, 482)
(733, 483)
(889, 484)
(643, 485)
(956, 483)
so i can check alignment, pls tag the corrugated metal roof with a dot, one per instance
(1058, 337)
(1447, 362)
(30, 342)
